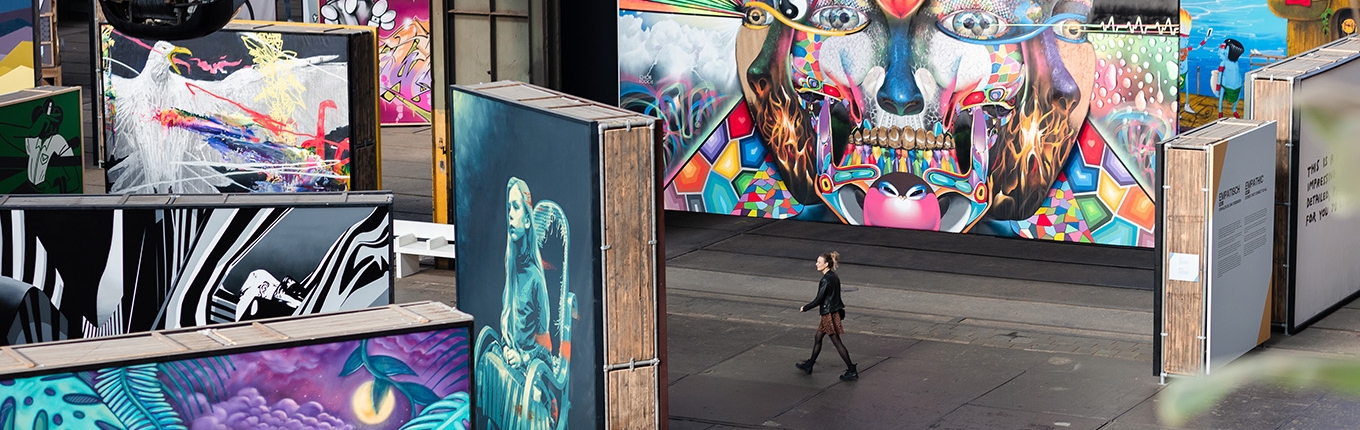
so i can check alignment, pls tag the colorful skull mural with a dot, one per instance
(988, 104)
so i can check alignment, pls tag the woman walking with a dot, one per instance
(829, 305)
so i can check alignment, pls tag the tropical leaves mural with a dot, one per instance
(410, 381)
(49, 401)
(135, 395)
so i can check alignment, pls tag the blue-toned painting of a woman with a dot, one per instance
(522, 372)
(524, 319)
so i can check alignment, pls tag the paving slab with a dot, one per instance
(946, 262)
(697, 344)
(1342, 319)
(726, 400)
(1086, 386)
(921, 280)
(857, 344)
(981, 417)
(1125, 426)
(428, 284)
(1332, 411)
(895, 394)
(687, 425)
(682, 240)
(774, 363)
(1316, 339)
(1255, 406)
(406, 185)
(419, 170)
(918, 302)
(960, 357)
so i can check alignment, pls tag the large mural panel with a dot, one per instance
(1022, 119)
(1220, 41)
(69, 273)
(404, 75)
(538, 353)
(1223, 40)
(17, 55)
(237, 111)
(40, 141)
(406, 381)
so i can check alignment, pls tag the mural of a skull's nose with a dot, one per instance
(899, 94)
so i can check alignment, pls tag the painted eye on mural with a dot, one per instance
(888, 189)
(1071, 30)
(916, 192)
(839, 18)
(757, 17)
(793, 9)
(974, 24)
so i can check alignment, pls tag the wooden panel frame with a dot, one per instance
(631, 401)
(630, 235)
(1183, 305)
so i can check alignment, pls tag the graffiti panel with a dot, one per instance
(81, 273)
(40, 141)
(1220, 41)
(405, 381)
(404, 78)
(1021, 119)
(233, 111)
(17, 60)
(524, 186)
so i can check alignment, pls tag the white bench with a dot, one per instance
(412, 239)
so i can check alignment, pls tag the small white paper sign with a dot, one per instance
(1183, 267)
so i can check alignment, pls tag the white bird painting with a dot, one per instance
(264, 127)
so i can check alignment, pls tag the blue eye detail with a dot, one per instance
(975, 25)
(986, 28)
(916, 192)
(839, 18)
(888, 189)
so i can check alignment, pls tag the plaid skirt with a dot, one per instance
(831, 324)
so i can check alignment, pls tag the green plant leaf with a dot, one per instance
(7, 414)
(389, 366)
(380, 389)
(449, 413)
(29, 400)
(40, 421)
(137, 397)
(419, 393)
(1186, 398)
(354, 362)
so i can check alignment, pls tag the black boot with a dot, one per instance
(805, 366)
(850, 374)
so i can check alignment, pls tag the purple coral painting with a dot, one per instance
(404, 66)
(409, 381)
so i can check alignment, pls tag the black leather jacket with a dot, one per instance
(828, 295)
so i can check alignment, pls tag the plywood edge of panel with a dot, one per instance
(631, 399)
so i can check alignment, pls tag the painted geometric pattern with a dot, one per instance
(732, 173)
(1094, 199)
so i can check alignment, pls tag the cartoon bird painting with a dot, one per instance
(171, 133)
(902, 200)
